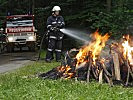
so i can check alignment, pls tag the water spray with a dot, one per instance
(79, 35)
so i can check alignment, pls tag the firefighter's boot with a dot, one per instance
(49, 56)
(58, 56)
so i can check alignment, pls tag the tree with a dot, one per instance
(108, 15)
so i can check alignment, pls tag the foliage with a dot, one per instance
(88, 13)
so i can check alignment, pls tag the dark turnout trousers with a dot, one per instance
(54, 44)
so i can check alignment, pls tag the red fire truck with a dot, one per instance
(20, 32)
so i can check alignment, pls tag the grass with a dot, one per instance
(22, 84)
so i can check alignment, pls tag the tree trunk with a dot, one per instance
(33, 6)
(109, 5)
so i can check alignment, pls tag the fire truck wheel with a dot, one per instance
(10, 48)
(32, 47)
(1, 48)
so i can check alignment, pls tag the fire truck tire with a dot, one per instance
(1, 48)
(10, 48)
(32, 47)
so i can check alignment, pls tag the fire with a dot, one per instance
(65, 70)
(88, 64)
(93, 49)
(127, 50)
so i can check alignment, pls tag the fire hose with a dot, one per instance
(39, 53)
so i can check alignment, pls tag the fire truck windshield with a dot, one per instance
(19, 21)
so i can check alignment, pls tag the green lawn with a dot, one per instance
(23, 84)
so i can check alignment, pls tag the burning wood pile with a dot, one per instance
(87, 63)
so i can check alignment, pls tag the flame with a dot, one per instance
(65, 70)
(93, 49)
(127, 50)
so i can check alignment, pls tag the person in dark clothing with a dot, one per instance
(54, 23)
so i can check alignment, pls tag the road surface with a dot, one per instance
(11, 61)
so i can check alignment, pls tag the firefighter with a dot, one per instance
(54, 23)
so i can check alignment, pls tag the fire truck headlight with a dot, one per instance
(31, 38)
(10, 39)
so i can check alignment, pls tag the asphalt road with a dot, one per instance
(11, 61)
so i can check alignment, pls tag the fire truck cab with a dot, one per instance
(20, 32)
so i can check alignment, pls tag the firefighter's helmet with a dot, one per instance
(56, 8)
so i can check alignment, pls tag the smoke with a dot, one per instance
(77, 34)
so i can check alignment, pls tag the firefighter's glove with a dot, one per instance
(52, 28)
(59, 25)
(55, 29)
